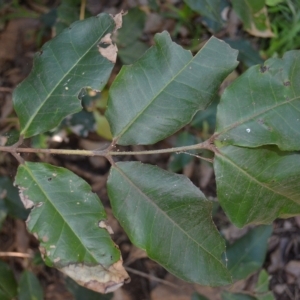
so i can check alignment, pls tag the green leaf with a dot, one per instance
(167, 216)
(66, 217)
(247, 254)
(65, 65)
(179, 161)
(263, 106)
(257, 185)
(247, 54)
(129, 47)
(161, 92)
(8, 284)
(254, 15)
(207, 8)
(81, 293)
(67, 13)
(11, 199)
(262, 287)
(29, 287)
(238, 296)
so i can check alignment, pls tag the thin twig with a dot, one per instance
(82, 10)
(15, 254)
(5, 89)
(151, 277)
(198, 156)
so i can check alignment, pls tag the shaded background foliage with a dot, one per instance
(266, 29)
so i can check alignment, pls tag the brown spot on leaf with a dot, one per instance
(25, 199)
(45, 239)
(57, 259)
(287, 83)
(102, 224)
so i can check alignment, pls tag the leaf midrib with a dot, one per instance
(126, 128)
(59, 82)
(167, 216)
(234, 125)
(54, 207)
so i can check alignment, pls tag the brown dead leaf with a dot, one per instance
(98, 278)
(293, 268)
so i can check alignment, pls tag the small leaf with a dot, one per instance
(263, 106)
(257, 185)
(65, 218)
(8, 284)
(162, 91)
(254, 15)
(29, 287)
(102, 126)
(262, 287)
(247, 254)
(65, 65)
(238, 296)
(168, 217)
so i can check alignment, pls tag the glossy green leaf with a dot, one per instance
(10, 196)
(30, 287)
(257, 185)
(65, 65)
(162, 91)
(66, 218)
(262, 287)
(247, 254)
(8, 284)
(254, 15)
(167, 216)
(130, 48)
(207, 8)
(263, 106)
(237, 296)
